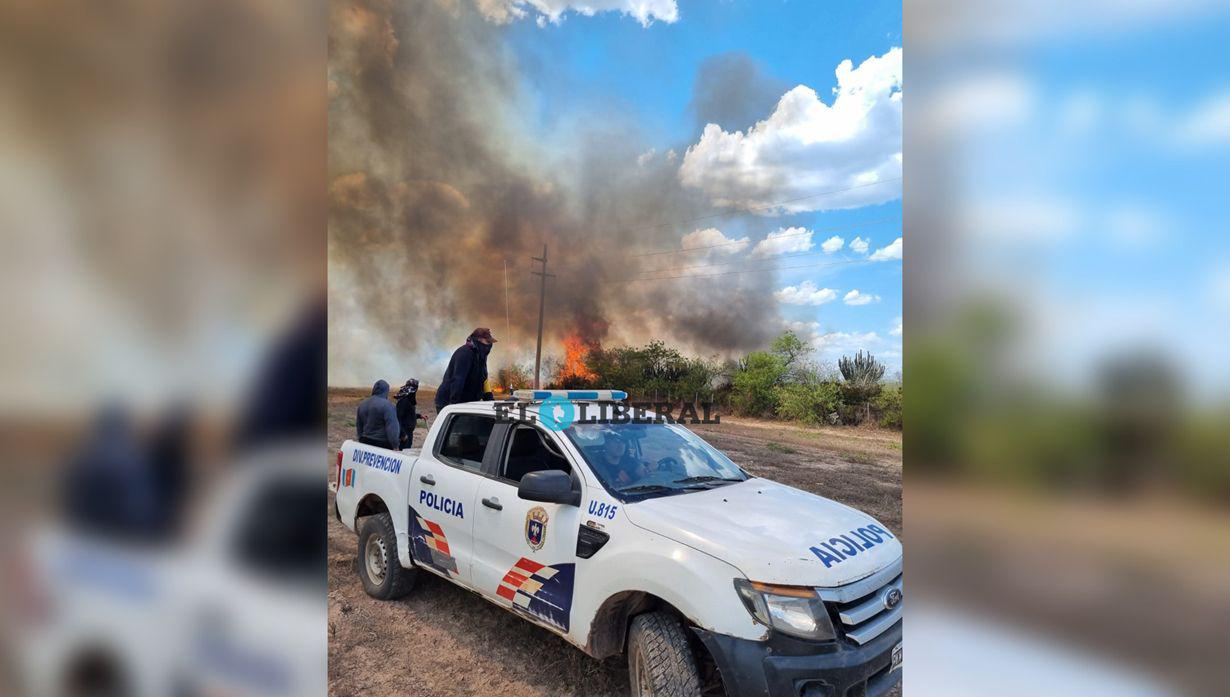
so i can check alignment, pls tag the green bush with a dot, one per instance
(778, 382)
(754, 385)
(653, 371)
(810, 402)
(888, 404)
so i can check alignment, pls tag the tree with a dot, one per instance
(754, 385)
(793, 352)
(513, 377)
(862, 374)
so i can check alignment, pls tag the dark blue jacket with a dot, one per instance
(407, 416)
(465, 376)
(377, 417)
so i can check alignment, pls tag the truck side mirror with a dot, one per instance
(548, 486)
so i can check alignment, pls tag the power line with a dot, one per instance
(848, 226)
(754, 271)
(766, 260)
(766, 206)
(833, 228)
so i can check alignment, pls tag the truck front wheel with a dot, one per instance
(382, 574)
(660, 660)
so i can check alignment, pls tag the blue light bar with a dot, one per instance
(571, 395)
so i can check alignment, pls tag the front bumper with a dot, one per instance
(787, 667)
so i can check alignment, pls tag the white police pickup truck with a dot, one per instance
(625, 533)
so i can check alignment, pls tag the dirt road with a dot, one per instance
(441, 639)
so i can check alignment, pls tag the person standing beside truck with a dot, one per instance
(466, 376)
(376, 420)
(407, 411)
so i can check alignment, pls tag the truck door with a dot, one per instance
(525, 551)
(443, 486)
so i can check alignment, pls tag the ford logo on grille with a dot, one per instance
(893, 598)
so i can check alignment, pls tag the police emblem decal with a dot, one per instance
(536, 527)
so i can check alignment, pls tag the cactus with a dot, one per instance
(862, 374)
(863, 370)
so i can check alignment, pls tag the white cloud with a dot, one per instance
(1080, 113)
(892, 251)
(806, 293)
(1007, 26)
(832, 345)
(978, 103)
(644, 11)
(645, 157)
(832, 244)
(1219, 288)
(784, 241)
(1134, 226)
(806, 330)
(897, 329)
(715, 239)
(1207, 124)
(1150, 117)
(846, 342)
(859, 245)
(856, 298)
(807, 148)
(1030, 219)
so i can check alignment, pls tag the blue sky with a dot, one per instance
(610, 58)
(586, 66)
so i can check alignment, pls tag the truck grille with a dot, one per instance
(866, 609)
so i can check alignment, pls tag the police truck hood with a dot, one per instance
(773, 533)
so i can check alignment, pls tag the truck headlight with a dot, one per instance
(794, 610)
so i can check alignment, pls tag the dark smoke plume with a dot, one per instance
(734, 91)
(434, 183)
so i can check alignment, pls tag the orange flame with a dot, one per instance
(576, 350)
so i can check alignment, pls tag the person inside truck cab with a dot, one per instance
(465, 378)
(376, 420)
(620, 466)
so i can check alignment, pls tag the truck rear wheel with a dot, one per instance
(660, 660)
(382, 574)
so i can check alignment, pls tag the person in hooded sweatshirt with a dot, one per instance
(376, 420)
(109, 487)
(466, 376)
(407, 411)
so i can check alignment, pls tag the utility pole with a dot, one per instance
(507, 324)
(542, 304)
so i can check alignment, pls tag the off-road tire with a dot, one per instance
(660, 659)
(387, 580)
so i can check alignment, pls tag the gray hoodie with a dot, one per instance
(377, 417)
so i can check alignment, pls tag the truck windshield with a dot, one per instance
(636, 461)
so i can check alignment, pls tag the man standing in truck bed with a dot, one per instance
(466, 375)
(376, 421)
(407, 412)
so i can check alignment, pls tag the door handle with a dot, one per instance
(428, 480)
(493, 502)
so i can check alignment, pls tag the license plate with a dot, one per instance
(896, 658)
